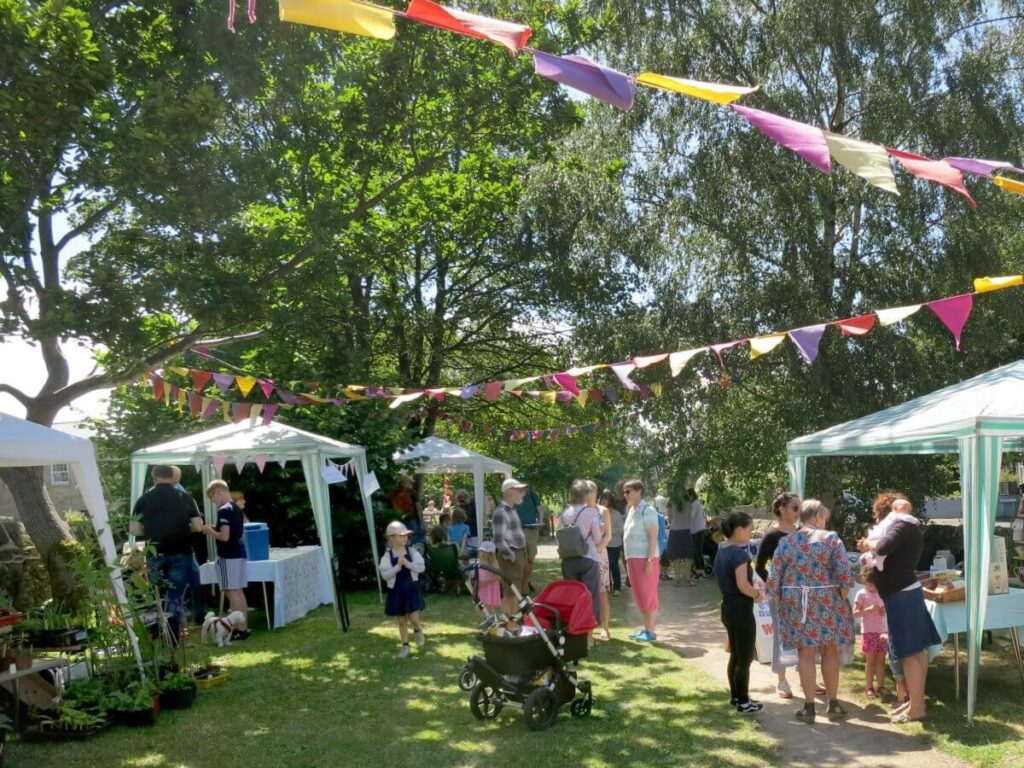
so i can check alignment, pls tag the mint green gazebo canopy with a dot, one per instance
(978, 419)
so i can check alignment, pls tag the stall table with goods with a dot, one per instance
(300, 578)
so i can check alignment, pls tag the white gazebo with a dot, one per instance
(26, 444)
(978, 419)
(441, 457)
(240, 443)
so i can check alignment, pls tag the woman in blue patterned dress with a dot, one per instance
(810, 577)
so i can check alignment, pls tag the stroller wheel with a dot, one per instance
(484, 702)
(467, 680)
(540, 710)
(580, 707)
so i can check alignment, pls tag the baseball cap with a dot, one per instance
(396, 528)
(512, 484)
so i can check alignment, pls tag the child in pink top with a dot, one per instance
(489, 586)
(869, 608)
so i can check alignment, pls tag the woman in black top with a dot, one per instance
(911, 630)
(786, 507)
(735, 579)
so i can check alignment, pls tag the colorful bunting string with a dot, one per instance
(531, 435)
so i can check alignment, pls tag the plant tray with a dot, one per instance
(55, 734)
(211, 678)
(57, 638)
(134, 718)
(182, 698)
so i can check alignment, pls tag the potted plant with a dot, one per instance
(8, 616)
(88, 695)
(177, 691)
(137, 705)
(69, 724)
(21, 652)
(55, 628)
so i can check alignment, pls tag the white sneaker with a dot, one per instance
(404, 653)
(421, 640)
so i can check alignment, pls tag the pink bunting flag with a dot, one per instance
(195, 403)
(269, 411)
(938, 171)
(260, 460)
(218, 464)
(953, 312)
(240, 411)
(981, 167)
(223, 381)
(267, 387)
(807, 341)
(512, 36)
(492, 389)
(587, 76)
(718, 349)
(565, 396)
(290, 398)
(622, 370)
(856, 326)
(806, 140)
(567, 382)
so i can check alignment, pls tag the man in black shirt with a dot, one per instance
(166, 515)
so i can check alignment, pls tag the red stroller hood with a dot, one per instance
(572, 601)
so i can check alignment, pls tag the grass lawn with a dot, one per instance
(308, 695)
(997, 737)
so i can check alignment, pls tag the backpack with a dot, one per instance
(571, 542)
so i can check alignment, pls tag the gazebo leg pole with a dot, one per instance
(1015, 639)
(956, 665)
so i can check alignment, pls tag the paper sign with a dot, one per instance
(332, 474)
(370, 484)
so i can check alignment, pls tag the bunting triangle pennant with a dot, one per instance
(218, 464)
(267, 387)
(239, 462)
(980, 167)
(469, 392)
(567, 381)
(225, 410)
(1010, 185)
(565, 396)
(287, 397)
(938, 171)
(807, 341)
(718, 349)
(953, 312)
(718, 93)
(657, 389)
(622, 370)
(762, 345)
(644, 362)
(182, 399)
(200, 379)
(512, 36)
(581, 399)
(867, 160)
(896, 314)
(223, 381)
(401, 400)
(587, 76)
(806, 140)
(158, 388)
(269, 411)
(281, 459)
(254, 414)
(195, 404)
(260, 460)
(597, 396)
(612, 396)
(179, 370)
(210, 407)
(548, 397)
(492, 390)
(856, 326)
(240, 411)
(678, 360)
(583, 371)
(341, 16)
(987, 284)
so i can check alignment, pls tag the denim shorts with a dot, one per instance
(910, 626)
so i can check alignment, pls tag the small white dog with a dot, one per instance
(221, 628)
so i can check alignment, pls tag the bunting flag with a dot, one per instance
(986, 284)
(807, 340)
(1016, 187)
(269, 411)
(281, 460)
(718, 349)
(678, 360)
(856, 326)
(953, 312)
(260, 460)
(869, 161)
(896, 314)
(938, 171)
(492, 390)
(341, 16)
(158, 389)
(225, 411)
(200, 379)
(245, 384)
(512, 36)
(223, 381)
(254, 414)
(210, 407)
(584, 370)
(806, 140)
(644, 362)
(714, 92)
(401, 400)
(567, 382)
(195, 402)
(239, 462)
(584, 75)
(980, 167)
(218, 464)
(240, 411)
(762, 345)
(622, 370)
(267, 388)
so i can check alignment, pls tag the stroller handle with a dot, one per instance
(497, 571)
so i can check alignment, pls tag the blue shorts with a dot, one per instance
(910, 626)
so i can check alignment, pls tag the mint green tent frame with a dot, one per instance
(977, 419)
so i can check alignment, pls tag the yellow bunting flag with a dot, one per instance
(182, 399)
(678, 360)
(656, 388)
(245, 384)
(225, 410)
(341, 16)
(1017, 187)
(762, 345)
(867, 160)
(179, 370)
(584, 370)
(718, 93)
(581, 398)
(986, 284)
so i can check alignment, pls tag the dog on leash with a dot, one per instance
(220, 628)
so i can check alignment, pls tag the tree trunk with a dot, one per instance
(47, 530)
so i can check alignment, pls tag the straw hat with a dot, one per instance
(396, 528)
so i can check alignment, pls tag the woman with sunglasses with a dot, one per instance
(640, 545)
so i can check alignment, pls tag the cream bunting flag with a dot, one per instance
(719, 93)
(341, 16)
(986, 284)
(401, 400)
(255, 413)
(762, 345)
(584, 370)
(896, 314)
(869, 161)
(643, 362)
(678, 360)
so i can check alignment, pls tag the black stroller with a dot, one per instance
(532, 669)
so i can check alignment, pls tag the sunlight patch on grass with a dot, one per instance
(427, 735)
(298, 663)
(146, 761)
(248, 659)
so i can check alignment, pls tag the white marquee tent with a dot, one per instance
(441, 457)
(978, 419)
(25, 444)
(238, 443)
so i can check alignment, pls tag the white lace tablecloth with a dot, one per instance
(299, 575)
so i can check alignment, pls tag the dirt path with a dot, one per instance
(690, 626)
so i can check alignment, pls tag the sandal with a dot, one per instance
(903, 718)
(835, 710)
(898, 704)
(870, 693)
(819, 690)
(806, 713)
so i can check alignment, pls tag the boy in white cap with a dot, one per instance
(400, 567)
(510, 540)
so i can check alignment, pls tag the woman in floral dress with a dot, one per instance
(810, 578)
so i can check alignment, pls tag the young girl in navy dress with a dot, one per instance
(400, 567)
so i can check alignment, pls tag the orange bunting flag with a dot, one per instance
(512, 36)
(986, 284)
(856, 326)
(938, 171)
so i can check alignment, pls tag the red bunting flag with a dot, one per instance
(158, 388)
(200, 379)
(938, 171)
(512, 36)
(492, 390)
(856, 326)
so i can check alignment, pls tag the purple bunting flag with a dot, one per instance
(980, 167)
(953, 312)
(581, 73)
(269, 411)
(806, 140)
(211, 408)
(224, 381)
(807, 340)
